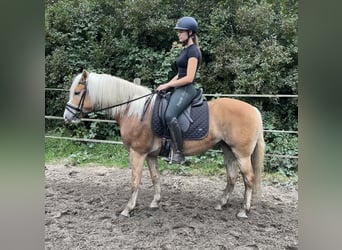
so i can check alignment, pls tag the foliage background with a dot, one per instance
(248, 47)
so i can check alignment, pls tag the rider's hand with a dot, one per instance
(163, 87)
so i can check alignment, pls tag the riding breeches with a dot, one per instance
(179, 101)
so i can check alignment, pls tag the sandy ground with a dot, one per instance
(83, 204)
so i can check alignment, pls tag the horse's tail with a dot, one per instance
(258, 159)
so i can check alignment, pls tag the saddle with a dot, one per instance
(194, 120)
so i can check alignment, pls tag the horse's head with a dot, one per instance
(79, 101)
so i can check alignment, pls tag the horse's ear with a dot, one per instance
(84, 75)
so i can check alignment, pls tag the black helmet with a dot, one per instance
(187, 23)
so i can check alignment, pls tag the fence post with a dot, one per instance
(137, 81)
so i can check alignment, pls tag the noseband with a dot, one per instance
(77, 110)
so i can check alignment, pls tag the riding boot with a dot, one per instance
(177, 139)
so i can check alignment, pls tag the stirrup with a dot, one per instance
(176, 158)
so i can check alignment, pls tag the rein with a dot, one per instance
(117, 105)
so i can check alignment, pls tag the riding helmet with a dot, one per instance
(187, 23)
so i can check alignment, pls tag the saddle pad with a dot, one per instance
(198, 128)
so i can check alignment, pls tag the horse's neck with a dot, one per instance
(111, 90)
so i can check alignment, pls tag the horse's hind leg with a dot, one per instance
(152, 163)
(248, 179)
(231, 169)
(136, 161)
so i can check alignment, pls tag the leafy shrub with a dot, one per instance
(282, 144)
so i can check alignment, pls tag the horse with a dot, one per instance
(234, 125)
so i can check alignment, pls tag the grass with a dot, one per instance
(81, 154)
(84, 154)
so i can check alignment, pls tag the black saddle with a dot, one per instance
(194, 121)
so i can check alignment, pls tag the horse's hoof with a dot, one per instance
(218, 207)
(154, 208)
(242, 214)
(125, 213)
(154, 205)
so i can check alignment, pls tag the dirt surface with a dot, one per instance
(83, 206)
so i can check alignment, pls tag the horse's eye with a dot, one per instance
(77, 92)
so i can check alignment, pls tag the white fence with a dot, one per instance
(215, 95)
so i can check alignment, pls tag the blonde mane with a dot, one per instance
(107, 90)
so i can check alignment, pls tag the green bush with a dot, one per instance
(282, 144)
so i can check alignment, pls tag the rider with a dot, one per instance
(183, 83)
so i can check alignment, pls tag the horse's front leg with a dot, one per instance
(136, 161)
(152, 163)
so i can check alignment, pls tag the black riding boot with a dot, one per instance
(177, 139)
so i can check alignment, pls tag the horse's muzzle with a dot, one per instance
(71, 114)
(70, 118)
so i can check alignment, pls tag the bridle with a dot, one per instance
(77, 111)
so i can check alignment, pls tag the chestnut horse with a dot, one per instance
(235, 125)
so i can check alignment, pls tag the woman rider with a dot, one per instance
(183, 83)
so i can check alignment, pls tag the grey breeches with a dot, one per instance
(180, 99)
